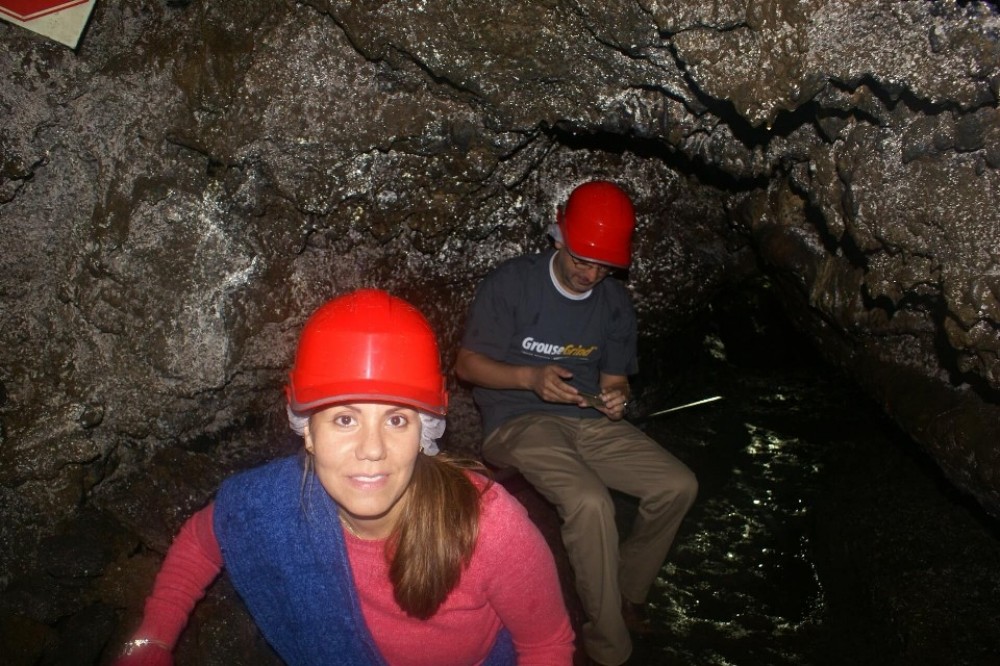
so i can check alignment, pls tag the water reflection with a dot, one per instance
(745, 586)
(740, 587)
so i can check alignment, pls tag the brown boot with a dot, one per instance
(635, 618)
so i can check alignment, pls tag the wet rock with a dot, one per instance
(83, 636)
(23, 640)
(75, 553)
(224, 633)
(154, 506)
(885, 551)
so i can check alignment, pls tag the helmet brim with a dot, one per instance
(382, 392)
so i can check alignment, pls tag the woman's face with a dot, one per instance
(364, 455)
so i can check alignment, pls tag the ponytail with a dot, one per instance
(435, 536)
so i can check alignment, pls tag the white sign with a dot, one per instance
(61, 20)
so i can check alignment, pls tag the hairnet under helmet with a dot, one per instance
(369, 346)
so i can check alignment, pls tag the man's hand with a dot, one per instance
(615, 401)
(549, 383)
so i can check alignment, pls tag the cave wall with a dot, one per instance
(179, 192)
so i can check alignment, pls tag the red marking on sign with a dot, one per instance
(26, 10)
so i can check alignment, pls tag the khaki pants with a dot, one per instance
(572, 462)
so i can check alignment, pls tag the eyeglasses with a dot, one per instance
(585, 265)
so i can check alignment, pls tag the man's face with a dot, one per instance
(576, 275)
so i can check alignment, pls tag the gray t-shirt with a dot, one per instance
(519, 317)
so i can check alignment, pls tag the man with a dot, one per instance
(549, 345)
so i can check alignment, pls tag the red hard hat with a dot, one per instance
(597, 223)
(367, 346)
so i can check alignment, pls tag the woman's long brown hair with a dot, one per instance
(435, 536)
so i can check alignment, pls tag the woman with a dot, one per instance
(364, 549)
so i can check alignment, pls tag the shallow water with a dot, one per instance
(796, 552)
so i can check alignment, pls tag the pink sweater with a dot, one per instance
(511, 582)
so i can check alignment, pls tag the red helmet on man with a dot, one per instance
(597, 223)
(367, 346)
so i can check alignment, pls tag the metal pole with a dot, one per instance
(690, 404)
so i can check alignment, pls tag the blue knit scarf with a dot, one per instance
(284, 550)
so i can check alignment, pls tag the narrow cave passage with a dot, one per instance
(179, 191)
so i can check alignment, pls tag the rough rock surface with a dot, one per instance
(178, 193)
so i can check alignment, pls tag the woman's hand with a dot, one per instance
(145, 652)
